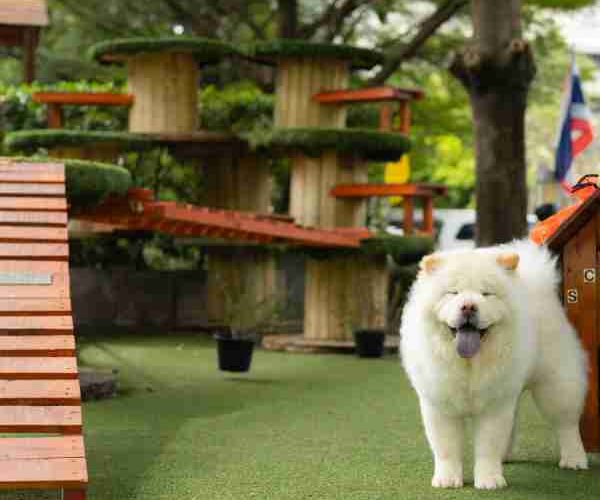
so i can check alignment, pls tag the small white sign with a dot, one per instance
(589, 275)
(572, 296)
(16, 278)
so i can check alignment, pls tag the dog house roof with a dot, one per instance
(573, 224)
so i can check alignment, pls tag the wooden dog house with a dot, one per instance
(577, 242)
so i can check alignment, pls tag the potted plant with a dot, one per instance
(245, 317)
(369, 341)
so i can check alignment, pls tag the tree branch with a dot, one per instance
(333, 16)
(403, 52)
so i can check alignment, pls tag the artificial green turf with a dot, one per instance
(297, 427)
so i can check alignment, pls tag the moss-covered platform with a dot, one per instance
(270, 52)
(367, 144)
(204, 50)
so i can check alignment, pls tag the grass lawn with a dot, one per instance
(297, 427)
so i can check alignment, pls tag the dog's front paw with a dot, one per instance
(447, 475)
(490, 481)
(447, 481)
(575, 461)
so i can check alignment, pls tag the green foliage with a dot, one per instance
(89, 182)
(34, 140)
(359, 58)
(561, 4)
(369, 144)
(204, 50)
(19, 112)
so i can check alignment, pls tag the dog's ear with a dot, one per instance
(430, 263)
(508, 261)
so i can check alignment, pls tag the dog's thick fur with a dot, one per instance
(526, 343)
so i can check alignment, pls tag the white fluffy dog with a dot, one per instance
(480, 327)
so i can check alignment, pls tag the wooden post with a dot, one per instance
(297, 80)
(30, 42)
(342, 293)
(408, 208)
(385, 117)
(404, 112)
(73, 494)
(578, 254)
(54, 115)
(165, 88)
(238, 183)
(311, 181)
(428, 215)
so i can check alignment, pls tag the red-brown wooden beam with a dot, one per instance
(84, 98)
(385, 190)
(370, 94)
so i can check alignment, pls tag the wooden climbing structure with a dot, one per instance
(39, 388)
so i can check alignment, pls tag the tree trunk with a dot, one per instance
(497, 69)
(288, 18)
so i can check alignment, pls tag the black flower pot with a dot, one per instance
(234, 351)
(369, 343)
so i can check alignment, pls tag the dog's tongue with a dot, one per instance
(468, 341)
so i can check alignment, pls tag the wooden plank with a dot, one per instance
(7, 165)
(39, 392)
(43, 473)
(49, 419)
(23, 368)
(55, 118)
(41, 447)
(384, 190)
(17, 307)
(32, 203)
(34, 251)
(24, 13)
(36, 345)
(371, 94)
(84, 98)
(56, 270)
(31, 189)
(36, 325)
(33, 218)
(33, 233)
(26, 175)
(579, 254)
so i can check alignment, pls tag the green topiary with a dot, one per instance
(404, 250)
(369, 144)
(204, 50)
(89, 182)
(31, 140)
(358, 58)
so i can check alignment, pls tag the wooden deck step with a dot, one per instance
(33, 419)
(31, 189)
(41, 447)
(43, 473)
(32, 203)
(8, 165)
(27, 175)
(32, 233)
(8, 217)
(54, 368)
(36, 325)
(37, 345)
(34, 251)
(39, 392)
(34, 279)
(27, 307)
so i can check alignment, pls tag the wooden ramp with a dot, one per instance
(39, 387)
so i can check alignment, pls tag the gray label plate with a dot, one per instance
(25, 279)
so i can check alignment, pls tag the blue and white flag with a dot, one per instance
(575, 128)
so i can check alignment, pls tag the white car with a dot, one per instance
(455, 226)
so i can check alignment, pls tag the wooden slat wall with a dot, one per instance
(297, 81)
(39, 387)
(581, 253)
(165, 90)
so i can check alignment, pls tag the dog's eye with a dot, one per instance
(451, 292)
(487, 294)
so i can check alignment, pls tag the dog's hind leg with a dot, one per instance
(445, 435)
(562, 406)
